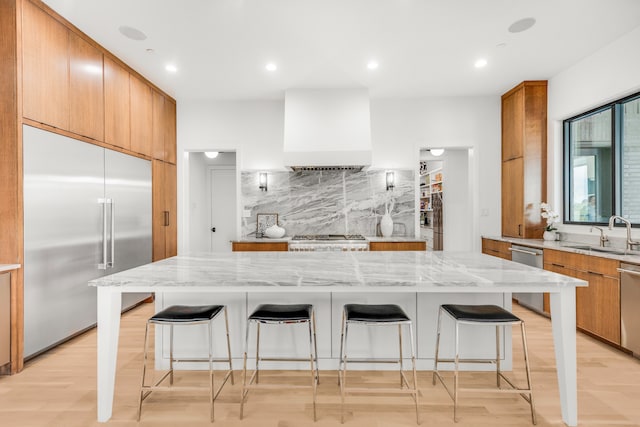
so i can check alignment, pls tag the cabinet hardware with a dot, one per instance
(166, 218)
(558, 265)
(624, 270)
(595, 273)
(524, 252)
(519, 229)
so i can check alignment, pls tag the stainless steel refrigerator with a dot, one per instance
(87, 213)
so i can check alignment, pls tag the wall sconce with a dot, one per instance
(390, 180)
(262, 179)
(437, 151)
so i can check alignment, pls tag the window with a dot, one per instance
(602, 164)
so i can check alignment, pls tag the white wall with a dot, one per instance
(609, 74)
(399, 128)
(199, 211)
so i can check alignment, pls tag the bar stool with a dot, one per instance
(281, 314)
(488, 315)
(376, 315)
(179, 315)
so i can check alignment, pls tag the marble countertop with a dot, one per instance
(9, 267)
(369, 239)
(338, 272)
(565, 245)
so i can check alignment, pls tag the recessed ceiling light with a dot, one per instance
(271, 66)
(480, 63)
(437, 151)
(372, 65)
(211, 154)
(132, 33)
(171, 68)
(522, 25)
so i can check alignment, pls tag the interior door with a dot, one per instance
(222, 184)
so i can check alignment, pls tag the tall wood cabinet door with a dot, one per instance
(117, 130)
(45, 68)
(158, 126)
(171, 205)
(141, 116)
(86, 89)
(170, 129)
(513, 198)
(602, 307)
(159, 211)
(512, 125)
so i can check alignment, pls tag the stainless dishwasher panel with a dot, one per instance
(534, 258)
(629, 303)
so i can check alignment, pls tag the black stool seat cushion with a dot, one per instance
(187, 313)
(282, 312)
(374, 313)
(480, 313)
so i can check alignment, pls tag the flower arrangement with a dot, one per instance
(550, 215)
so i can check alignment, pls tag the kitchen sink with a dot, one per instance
(597, 249)
(581, 247)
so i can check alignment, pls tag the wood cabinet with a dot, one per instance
(45, 68)
(165, 221)
(170, 137)
(164, 128)
(259, 246)
(598, 305)
(86, 89)
(398, 246)
(524, 159)
(496, 248)
(117, 130)
(141, 104)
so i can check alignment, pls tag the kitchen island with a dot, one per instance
(331, 278)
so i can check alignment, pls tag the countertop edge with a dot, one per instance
(9, 267)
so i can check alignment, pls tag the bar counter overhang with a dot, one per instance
(420, 273)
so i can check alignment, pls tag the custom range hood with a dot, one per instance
(327, 129)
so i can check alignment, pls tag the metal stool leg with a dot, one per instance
(258, 353)
(171, 354)
(435, 362)
(244, 370)
(455, 374)
(315, 345)
(311, 366)
(144, 369)
(415, 374)
(211, 378)
(526, 364)
(498, 356)
(343, 384)
(400, 360)
(341, 347)
(226, 324)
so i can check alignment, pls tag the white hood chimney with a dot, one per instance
(327, 127)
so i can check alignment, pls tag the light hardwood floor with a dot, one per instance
(59, 389)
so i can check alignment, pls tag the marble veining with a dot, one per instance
(330, 202)
(401, 271)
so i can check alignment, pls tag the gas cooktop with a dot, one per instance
(328, 237)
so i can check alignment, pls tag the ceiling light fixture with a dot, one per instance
(372, 65)
(211, 154)
(171, 68)
(522, 25)
(480, 63)
(271, 66)
(437, 151)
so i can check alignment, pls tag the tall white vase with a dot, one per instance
(386, 225)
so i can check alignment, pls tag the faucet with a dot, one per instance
(630, 242)
(603, 237)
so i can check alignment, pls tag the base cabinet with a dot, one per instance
(165, 206)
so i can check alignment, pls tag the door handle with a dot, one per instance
(213, 230)
(625, 271)
(524, 252)
(166, 218)
(113, 234)
(103, 264)
(519, 229)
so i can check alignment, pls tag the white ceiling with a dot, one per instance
(424, 47)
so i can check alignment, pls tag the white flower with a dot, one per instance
(550, 215)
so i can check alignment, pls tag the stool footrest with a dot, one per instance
(490, 361)
(174, 388)
(282, 359)
(373, 360)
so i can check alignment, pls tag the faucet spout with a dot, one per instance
(630, 242)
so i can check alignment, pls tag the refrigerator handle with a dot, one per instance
(113, 234)
(103, 264)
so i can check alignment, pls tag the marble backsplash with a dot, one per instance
(331, 202)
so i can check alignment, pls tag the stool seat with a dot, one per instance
(480, 313)
(186, 313)
(374, 313)
(281, 312)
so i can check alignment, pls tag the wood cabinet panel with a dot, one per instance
(170, 129)
(496, 248)
(259, 246)
(45, 68)
(86, 89)
(512, 129)
(117, 130)
(165, 221)
(398, 246)
(141, 121)
(158, 126)
(513, 198)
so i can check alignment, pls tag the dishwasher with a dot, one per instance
(534, 258)
(629, 303)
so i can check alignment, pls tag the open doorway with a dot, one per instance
(212, 206)
(446, 202)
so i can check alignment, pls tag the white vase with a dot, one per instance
(274, 232)
(549, 235)
(386, 225)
